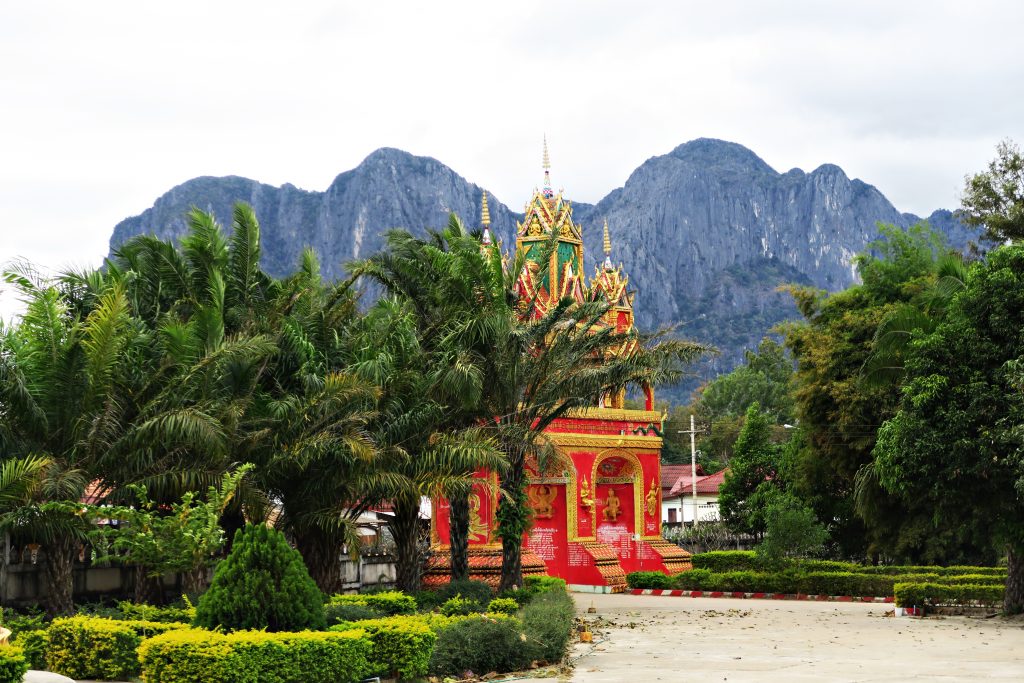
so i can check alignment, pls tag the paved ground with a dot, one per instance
(648, 638)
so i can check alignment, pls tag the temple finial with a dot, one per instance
(485, 213)
(607, 248)
(548, 192)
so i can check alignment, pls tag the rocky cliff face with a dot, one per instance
(706, 232)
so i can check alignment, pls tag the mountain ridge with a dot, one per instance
(705, 232)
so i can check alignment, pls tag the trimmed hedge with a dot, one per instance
(927, 594)
(401, 645)
(13, 664)
(480, 643)
(34, 643)
(134, 611)
(649, 580)
(99, 648)
(199, 656)
(747, 560)
(389, 603)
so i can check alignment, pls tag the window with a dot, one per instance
(671, 515)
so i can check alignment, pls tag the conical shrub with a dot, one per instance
(262, 584)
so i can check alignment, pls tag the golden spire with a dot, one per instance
(548, 192)
(607, 240)
(485, 213)
(547, 159)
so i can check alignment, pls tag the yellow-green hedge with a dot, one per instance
(387, 602)
(99, 648)
(13, 664)
(401, 645)
(922, 594)
(199, 656)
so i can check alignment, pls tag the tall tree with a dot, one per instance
(994, 199)
(956, 441)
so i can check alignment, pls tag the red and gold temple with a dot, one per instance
(597, 511)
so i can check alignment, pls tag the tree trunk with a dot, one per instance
(458, 534)
(322, 555)
(513, 518)
(193, 582)
(1013, 599)
(60, 557)
(404, 528)
(149, 590)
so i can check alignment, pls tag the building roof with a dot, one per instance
(670, 474)
(706, 485)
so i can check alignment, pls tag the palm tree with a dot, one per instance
(516, 374)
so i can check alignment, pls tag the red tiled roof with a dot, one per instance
(706, 485)
(670, 474)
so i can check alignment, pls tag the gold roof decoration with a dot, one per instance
(547, 212)
(610, 280)
(485, 222)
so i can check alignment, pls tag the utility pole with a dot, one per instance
(693, 464)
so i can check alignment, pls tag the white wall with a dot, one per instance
(707, 508)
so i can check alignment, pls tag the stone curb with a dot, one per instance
(757, 596)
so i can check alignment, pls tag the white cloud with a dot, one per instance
(105, 106)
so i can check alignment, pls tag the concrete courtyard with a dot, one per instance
(649, 638)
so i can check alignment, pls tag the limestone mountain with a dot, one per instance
(706, 232)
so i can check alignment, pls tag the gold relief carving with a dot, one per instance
(652, 443)
(612, 508)
(542, 497)
(615, 480)
(478, 530)
(652, 498)
(585, 499)
(534, 228)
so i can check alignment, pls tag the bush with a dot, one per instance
(401, 645)
(459, 606)
(30, 620)
(547, 622)
(648, 580)
(335, 613)
(503, 606)
(922, 594)
(198, 656)
(34, 644)
(477, 591)
(727, 560)
(480, 644)
(388, 603)
(13, 664)
(262, 584)
(746, 560)
(99, 648)
(134, 611)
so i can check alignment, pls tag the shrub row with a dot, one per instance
(99, 648)
(388, 603)
(748, 560)
(792, 581)
(134, 611)
(401, 645)
(34, 644)
(922, 594)
(199, 656)
(13, 664)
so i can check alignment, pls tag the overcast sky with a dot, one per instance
(104, 106)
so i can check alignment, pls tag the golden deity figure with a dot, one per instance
(542, 498)
(652, 498)
(612, 508)
(478, 530)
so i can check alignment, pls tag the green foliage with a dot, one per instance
(911, 594)
(402, 646)
(183, 538)
(13, 664)
(335, 613)
(648, 580)
(792, 531)
(994, 199)
(763, 379)
(480, 644)
(547, 622)
(98, 648)
(199, 656)
(477, 591)
(388, 603)
(262, 584)
(165, 613)
(962, 398)
(744, 560)
(34, 644)
(754, 467)
(503, 606)
(459, 606)
(18, 621)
